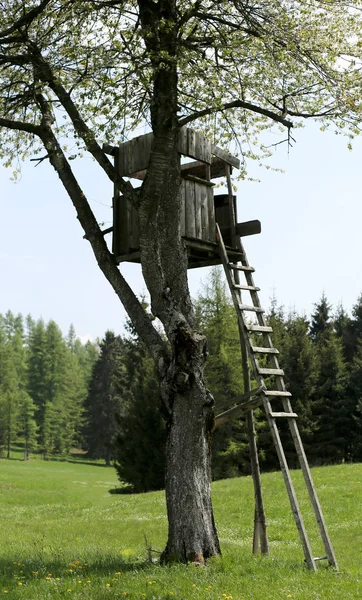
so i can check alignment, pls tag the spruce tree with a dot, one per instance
(141, 425)
(331, 406)
(103, 400)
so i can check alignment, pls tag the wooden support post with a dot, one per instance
(260, 538)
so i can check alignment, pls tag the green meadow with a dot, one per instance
(63, 535)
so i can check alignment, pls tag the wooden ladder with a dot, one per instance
(268, 395)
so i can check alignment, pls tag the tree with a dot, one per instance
(26, 423)
(107, 65)
(332, 409)
(141, 429)
(223, 371)
(104, 399)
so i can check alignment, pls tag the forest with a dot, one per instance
(101, 399)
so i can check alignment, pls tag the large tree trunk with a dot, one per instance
(191, 529)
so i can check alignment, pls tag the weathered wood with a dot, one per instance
(261, 350)
(248, 228)
(276, 393)
(250, 308)
(241, 268)
(226, 157)
(111, 150)
(259, 328)
(236, 412)
(280, 415)
(183, 209)
(263, 371)
(204, 182)
(190, 208)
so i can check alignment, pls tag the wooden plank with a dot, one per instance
(204, 182)
(260, 350)
(190, 215)
(134, 155)
(263, 371)
(260, 328)
(204, 213)
(276, 393)
(183, 208)
(111, 150)
(281, 415)
(251, 308)
(198, 194)
(191, 143)
(247, 228)
(225, 156)
(182, 141)
(241, 267)
(211, 236)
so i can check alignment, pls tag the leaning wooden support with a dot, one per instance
(240, 409)
(260, 538)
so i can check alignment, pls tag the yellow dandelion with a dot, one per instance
(117, 572)
(57, 579)
(20, 571)
(70, 570)
(5, 591)
(88, 580)
(19, 564)
(108, 585)
(19, 583)
(194, 585)
(150, 582)
(69, 590)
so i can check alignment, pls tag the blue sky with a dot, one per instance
(311, 237)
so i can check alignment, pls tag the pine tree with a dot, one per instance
(141, 426)
(103, 400)
(321, 318)
(9, 392)
(331, 406)
(28, 428)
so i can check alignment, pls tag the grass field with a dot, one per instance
(64, 536)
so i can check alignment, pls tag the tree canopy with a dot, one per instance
(77, 73)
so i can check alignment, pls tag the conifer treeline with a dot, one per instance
(56, 393)
(43, 385)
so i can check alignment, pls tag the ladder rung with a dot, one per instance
(256, 309)
(260, 328)
(247, 288)
(279, 415)
(264, 350)
(241, 268)
(276, 393)
(262, 371)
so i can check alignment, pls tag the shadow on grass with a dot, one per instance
(103, 566)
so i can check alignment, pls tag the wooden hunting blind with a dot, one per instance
(204, 213)
(201, 209)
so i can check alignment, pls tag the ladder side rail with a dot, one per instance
(290, 488)
(273, 427)
(260, 527)
(293, 427)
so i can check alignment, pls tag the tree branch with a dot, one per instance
(237, 104)
(25, 19)
(20, 126)
(141, 321)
